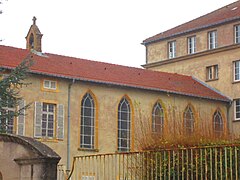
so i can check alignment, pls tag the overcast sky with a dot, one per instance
(101, 30)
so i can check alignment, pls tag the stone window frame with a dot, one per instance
(212, 40)
(191, 42)
(16, 124)
(160, 125)
(58, 120)
(172, 49)
(92, 126)
(236, 109)
(236, 71)
(212, 72)
(218, 127)
(47, 84)
(237, 34)
(124, 120)
(186, 120)
(9, 124)
(49, 119)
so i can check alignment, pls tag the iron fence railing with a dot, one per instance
(61, 172)
(213, 163)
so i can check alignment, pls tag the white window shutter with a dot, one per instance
(21, 119)
(38, 120)
(60, 121)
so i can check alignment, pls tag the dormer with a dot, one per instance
(34, 37)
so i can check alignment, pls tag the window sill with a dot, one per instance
(123, 152)
(209, 80)
(50, 90)
(236, 120)
(85, 149)
(48, 140)
(235, 82)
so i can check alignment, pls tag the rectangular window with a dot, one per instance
(49, 120)
(11, 124)
(191, 45)
(212, 72)
(212, 40)
(172, 49)
(52, 85)
(237, 71)
(237, 109)
(237, 34)
(7, 120)
(3, 76)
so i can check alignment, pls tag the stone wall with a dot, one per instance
(25, 158)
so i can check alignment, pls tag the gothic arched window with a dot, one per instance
(87, 122)
(124, 125)
(217, 123)
(157, 118)
(188, 120)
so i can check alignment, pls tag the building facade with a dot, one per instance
(206, 48)
(81, 107)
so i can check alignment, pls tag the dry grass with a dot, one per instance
(174, 134)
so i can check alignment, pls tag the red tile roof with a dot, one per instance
(225, 14)
(98, 72)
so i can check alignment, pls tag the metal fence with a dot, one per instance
(61, 172)
(213, 163)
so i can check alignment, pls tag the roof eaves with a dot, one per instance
(191, 30)
(153, 89)
(213, 89)
(138, 87)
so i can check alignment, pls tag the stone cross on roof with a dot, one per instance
(34, 20)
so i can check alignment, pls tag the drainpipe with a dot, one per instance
(228, 117)
(68, 126)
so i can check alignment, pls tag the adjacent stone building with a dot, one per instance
(206, 48)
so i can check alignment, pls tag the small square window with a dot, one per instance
(51, 85)
(212, 72)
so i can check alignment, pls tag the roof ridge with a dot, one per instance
(8, 46)
(113, 64)
(91, 60)
(100, 62)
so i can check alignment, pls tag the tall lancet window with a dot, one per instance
(124, 125)
(188, 120)
(157, 118)
(217, 123)
(87, 122)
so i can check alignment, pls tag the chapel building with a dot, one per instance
(82, 107)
